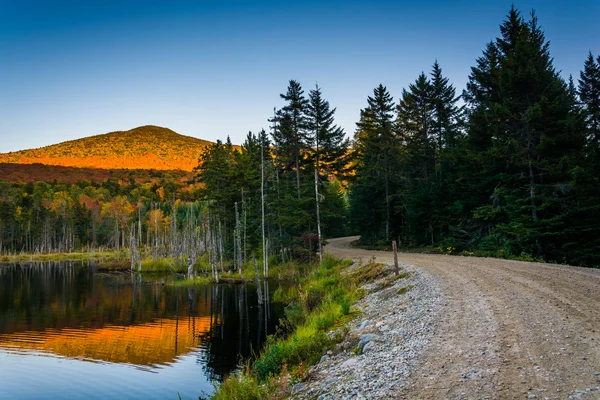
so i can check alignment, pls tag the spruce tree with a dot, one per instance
(446, 114)
(525, 132)
(377, 146)
(589, 95)
(292, 138)
(330, 144)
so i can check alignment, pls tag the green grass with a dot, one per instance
(284, 271)
(320, 303)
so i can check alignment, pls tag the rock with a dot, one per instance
(368, 347)
(364, 339)
(324, 358)
(298, 387)
(532, 396)
(363, 324)
(349, 363)
(325, 396)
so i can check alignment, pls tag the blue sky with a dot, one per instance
(209, 69)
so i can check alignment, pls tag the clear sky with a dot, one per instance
(209, 69)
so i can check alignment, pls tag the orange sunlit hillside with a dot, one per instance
(145, 147)
(24, 173)
(152, 343)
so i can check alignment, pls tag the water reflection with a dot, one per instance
(70, 310)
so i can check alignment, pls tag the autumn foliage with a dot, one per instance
(145, 147)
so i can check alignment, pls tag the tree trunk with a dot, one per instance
(262, 204)
(258, 289)
(318, 214)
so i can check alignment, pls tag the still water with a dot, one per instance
(70, 332)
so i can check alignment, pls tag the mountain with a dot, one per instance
(145, 147)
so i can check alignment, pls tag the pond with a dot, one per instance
(69, 331)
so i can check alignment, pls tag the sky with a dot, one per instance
(212, 69)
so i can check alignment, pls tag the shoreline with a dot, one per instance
(382, 346)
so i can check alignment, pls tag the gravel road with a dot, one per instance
(506, 329)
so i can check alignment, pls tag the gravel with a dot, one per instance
(381, 347)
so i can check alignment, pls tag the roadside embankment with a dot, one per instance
(396, 323)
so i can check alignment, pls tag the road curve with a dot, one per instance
(508, 329)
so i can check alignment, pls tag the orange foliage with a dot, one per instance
(145, 147)
(23, 173)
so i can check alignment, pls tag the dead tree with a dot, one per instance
(238, 241)
(258, 288)
(262, 203)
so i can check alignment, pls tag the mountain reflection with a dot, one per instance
(69, 310)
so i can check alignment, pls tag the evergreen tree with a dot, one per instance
(292, 138)
(216, 170)
(589, 95)
(447, 115)
(531, 138)
(378, 150)
(330, 144)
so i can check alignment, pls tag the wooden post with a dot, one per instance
(395, 248)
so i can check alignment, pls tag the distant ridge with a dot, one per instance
(145, 147)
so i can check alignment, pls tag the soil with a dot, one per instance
(507, 329)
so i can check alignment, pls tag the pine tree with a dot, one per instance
(589, 95)
(447, 115)
(415, 122)
(292, 138)
(216, 169)
(330, 144)
(378, 151)
(524, 131)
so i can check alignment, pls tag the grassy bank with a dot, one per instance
(317, 307)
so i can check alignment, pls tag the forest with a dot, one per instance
(507, 168)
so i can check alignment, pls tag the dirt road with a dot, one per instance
(509, 329)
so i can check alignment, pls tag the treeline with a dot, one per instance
(509, 168)
(58, 217)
